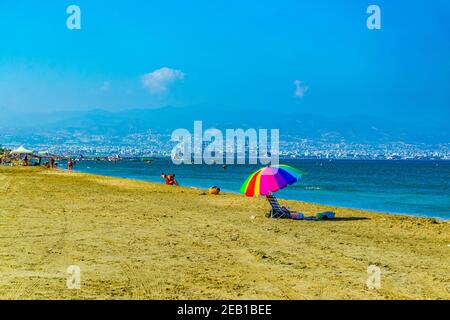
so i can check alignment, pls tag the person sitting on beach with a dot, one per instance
(170, 180)
(165, 177)
(173, 182)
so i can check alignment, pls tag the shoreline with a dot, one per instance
(142, 240)
(285, 199)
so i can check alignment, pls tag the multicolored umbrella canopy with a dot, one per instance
(270, 179)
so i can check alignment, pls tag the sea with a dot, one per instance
(418, 188)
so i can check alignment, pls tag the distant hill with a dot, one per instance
(355, 129)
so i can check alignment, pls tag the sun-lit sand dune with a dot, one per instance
(139, 240)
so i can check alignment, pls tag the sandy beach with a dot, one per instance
(140, 240)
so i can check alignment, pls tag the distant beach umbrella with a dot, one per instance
(270, 179)
(21, 150)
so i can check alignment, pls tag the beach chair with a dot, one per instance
(277, 211)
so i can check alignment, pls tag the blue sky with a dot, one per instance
(145, 54)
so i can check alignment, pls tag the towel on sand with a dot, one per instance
(327, 215)
(297, 216)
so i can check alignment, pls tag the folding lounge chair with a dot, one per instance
(277, 211)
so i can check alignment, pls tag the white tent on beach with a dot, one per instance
(21, 150)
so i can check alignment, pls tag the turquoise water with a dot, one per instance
(419, 188)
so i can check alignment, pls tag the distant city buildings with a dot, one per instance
(158, 144)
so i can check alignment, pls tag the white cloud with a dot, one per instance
(300, 89)
(159, 80)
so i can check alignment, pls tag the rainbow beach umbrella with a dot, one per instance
(270, 179)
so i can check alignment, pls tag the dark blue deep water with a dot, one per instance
(419, 188)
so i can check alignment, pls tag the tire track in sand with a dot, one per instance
(137, 286)
(25, 287)
(5, 183)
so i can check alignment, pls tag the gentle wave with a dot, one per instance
(312, 188)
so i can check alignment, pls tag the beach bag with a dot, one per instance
(214, 190)
(327, 215)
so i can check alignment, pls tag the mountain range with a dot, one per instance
(351, 129)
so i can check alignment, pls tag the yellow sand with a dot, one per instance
(138, 240)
